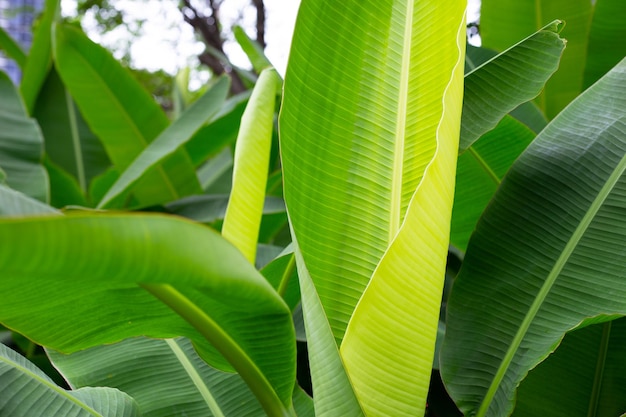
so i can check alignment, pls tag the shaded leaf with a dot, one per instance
(21, 144)
(69, 142)
(26, 391)
(508, 80)
(546, 255)
(165, 377)
(13, 203)
(585, 376)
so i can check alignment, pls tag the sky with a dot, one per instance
(168, 43)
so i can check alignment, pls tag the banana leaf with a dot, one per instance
(504, 22)
(586, 376)
(364, 114)
(26, 391)
(546, 255)
(165, 377)
(70, 291)
(124, 116)
(21, 145)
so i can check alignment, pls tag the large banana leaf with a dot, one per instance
(586, 376)
(121, 113)
(26, 391)
(251, 165)
(546, 255)
(374, 101)
(21, 144)
(504, 22)
(76, 282)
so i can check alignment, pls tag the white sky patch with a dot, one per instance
(167, 42)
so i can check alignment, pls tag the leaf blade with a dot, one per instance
(551, 289)
(43, 396)
(125, 117)
(250, 170)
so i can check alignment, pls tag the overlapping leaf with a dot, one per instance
(124, 116)
(79, 292)
(250, 170)
(69, 142)
(508, 80)
(504, 22)
(169, 142)
(165, 377)
(21, 144)
(546, 255)
(586, 376)
(39, 58)
(26, 391)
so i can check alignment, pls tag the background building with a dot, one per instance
(16, 18)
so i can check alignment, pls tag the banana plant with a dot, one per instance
(370, 131)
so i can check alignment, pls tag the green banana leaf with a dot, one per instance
(64, 189)
(220, 132)
(69, 142)
(586, 376)
(124, 116)
(21, 144)
(14, 203)
(527, 113)
(504, 22)
(251, 166)
(12, 49)
(334, 394)
(546, 255)
(39, 59)
(26, 391)
(492, 89)
(70, 291)
(170, 141)
(252, 49)
(364, 114)
(503, 83)
(607, 39)
(165, 377)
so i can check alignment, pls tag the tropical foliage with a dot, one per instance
(294, 250)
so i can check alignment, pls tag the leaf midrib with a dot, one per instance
(195, 377)
(399, 142)
(549, 282)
